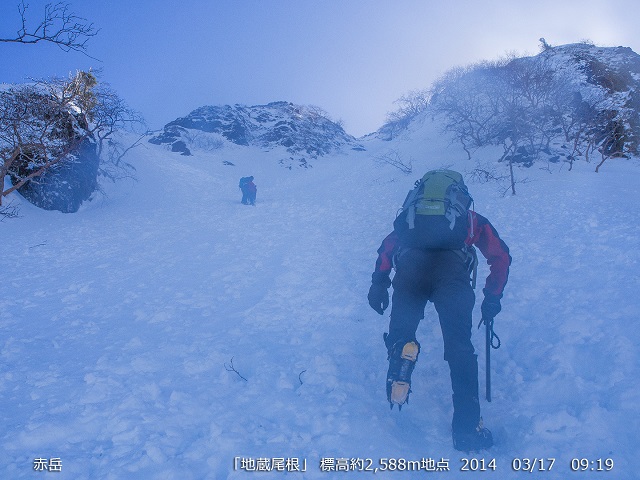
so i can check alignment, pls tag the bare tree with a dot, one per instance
(468, 98)
(202, 140)
(393, 158)
(410, 105)
(105, 112)
(612, 144)
(488, 173)
(35, 134)
(44, 123)
(112, 114)
(58, 26)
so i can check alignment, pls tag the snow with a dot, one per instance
(120, 325)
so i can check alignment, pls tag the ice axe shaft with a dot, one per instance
(489, 344)
(487, 350)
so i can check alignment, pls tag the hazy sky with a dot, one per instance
(353, 58)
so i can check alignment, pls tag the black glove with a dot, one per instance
(490, 305)
(378, 293)
(378, 298)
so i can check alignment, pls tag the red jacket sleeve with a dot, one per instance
(384, 263)
(486, 238)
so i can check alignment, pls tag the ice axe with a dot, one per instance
(490, 335)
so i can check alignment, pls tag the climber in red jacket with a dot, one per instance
(442, 276)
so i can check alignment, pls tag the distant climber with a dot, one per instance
(249, 190)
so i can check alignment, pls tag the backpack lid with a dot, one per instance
(439, 190)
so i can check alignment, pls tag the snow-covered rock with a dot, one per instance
(303, 131)
(66, 185)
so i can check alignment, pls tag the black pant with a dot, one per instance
(248, 197)
(440, 276)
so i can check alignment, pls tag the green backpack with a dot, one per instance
(435, 214)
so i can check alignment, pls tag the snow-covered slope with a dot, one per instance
(120, 325)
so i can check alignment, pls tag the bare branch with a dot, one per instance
(393, 158)
(113, 165)
(58, 26)
(117, 159)
(231, 368)
(8, 211)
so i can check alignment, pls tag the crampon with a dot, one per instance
(402, 360)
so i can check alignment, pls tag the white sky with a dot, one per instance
(353, 58)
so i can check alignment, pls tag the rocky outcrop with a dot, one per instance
(302, 131)
(67, 184)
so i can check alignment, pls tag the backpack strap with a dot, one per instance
(470, 258)
(454, 208)
(473, 266)
(410, 203)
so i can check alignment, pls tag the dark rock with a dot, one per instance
(67, 184)
(180, 146)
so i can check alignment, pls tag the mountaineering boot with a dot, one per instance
(478, 439)
(402, 360)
